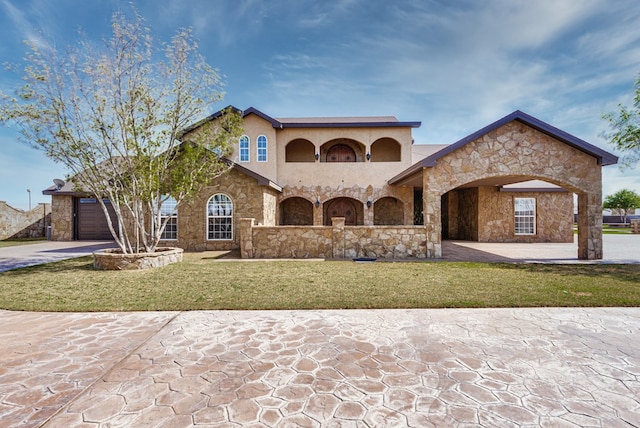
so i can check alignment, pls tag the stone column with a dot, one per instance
(246, 237)
(317, 215)
(635, 226)
(432, 217)
(590, 226)
(338, 237)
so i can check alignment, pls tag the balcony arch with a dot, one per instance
(342, 150)
(386, 150)
(300, 150)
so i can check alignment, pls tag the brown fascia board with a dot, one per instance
(603, 157)
(302, 123)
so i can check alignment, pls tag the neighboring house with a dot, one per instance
(358, 187)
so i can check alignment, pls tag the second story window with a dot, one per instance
(262, 148)
(244, 149)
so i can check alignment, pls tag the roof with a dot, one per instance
(68, 189)
(604, 158)
(312, 122)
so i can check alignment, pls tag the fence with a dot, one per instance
(15, 223)
(336, 241)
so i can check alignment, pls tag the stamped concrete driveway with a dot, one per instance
(20, 256)
(357, 368)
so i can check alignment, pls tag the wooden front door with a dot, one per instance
(341, 208)
(341, 153)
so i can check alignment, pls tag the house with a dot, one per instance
(347, 187)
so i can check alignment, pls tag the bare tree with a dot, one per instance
(113, 114)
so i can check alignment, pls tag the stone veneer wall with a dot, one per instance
(249, 200)
(15, 223)
(496, 219)
(62, 218)
(517, 150)
(337, 241)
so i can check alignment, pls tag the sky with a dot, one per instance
(454, 65)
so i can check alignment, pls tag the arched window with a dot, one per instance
(244, 149)
(169, 212)
(262, 148)
(219, 218)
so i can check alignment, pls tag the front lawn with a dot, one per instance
(200, 282)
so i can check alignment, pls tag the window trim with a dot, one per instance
(523, 215)
(209, 216)
(245, 150)
(259, 149)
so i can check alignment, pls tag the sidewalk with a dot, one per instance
(352, 368)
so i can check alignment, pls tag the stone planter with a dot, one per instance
(113, 259)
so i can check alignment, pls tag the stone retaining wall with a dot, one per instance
(15, 223)
(337, 241)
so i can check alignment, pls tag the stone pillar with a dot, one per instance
(432, 218)
(368, 214)
(317, 215)
(338, 237)
(62, 218)
(590, 226)
(635, 226)
(246, 237)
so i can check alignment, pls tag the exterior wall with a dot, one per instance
(516, 150)
(337, 241)
(255, 126)
(62, 218)
(496, 221)
(15, 223)
(249, 199)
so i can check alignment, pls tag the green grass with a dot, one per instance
(23, 241)
(608, 230)
(201, 283)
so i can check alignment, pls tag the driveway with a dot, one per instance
(19, 256)
(553, 367)
(616, 249)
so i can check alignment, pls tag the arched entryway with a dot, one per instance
(388, 211)
(296, 212)
(348, 208)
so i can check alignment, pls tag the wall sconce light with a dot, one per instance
(318, 203)
(369, 203)
(317, 156)
(368, 156)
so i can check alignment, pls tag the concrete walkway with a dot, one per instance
(420, 368)
(20, 256)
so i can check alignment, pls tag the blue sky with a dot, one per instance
(454, 65)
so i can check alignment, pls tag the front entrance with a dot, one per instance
(341, 207)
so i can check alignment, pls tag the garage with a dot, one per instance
(91, 223)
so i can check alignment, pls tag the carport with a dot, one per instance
(514, 149)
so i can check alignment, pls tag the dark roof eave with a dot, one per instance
(352, 125)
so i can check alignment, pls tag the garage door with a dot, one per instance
(91, 222)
